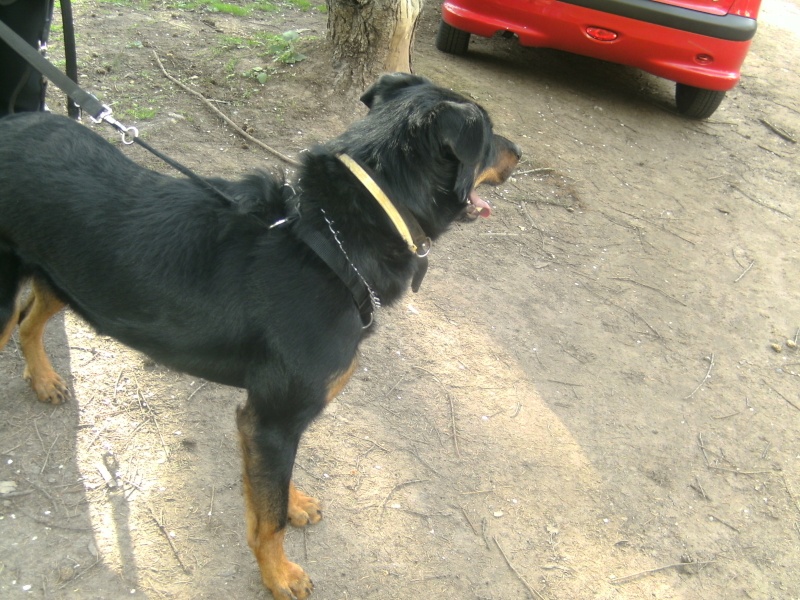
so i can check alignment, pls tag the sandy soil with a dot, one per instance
(594, 395)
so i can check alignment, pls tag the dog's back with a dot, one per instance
(144, 257)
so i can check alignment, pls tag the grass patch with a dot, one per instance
(139, 113)
(303, 5)
(228, 8)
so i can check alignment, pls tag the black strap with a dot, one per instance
(184, 170)
(333, 256)
(82, 98)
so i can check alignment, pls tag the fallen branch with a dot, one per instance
(225, 118)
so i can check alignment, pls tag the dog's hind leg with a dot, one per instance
(47, 384)
(268, 451)
(10, 281)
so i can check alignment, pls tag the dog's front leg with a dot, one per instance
(268, 450)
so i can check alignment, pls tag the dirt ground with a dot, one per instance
(596, 393)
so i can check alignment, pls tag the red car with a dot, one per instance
(699, 44)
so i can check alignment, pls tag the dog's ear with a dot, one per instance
(387, 87)
(463, 128)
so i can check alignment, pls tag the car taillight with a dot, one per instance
(745, 8)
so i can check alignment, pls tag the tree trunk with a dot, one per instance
(370, 37)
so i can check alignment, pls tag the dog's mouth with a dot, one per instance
(478, 207)
(508, 156)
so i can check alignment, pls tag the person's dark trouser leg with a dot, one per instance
(21, 87)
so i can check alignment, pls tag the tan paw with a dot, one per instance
(290, 583)
(49, 386)
(303, 509)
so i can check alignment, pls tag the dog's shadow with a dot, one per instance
(44, 496)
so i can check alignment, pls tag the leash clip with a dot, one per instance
(129, 134)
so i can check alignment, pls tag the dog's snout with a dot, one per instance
(505, 144)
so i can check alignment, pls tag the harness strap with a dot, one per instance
(337, 262)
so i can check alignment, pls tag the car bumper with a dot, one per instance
(677, 44)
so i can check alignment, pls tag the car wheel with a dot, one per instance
(452, 40)
(697, 103)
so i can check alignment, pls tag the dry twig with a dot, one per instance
(789, 402)
(628, 578)
(649, 287)
(728, 525)
(532, 591)
(750, 266)
(760, 203)
(471, 524)
(47, 456)
(778, 131)
(164, 531)
(452, 409)
(398, 486)
(706, 378)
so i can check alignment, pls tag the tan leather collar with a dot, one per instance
(419, 243)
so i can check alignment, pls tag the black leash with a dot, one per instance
(98, 111)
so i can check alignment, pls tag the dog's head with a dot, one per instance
(432, 147)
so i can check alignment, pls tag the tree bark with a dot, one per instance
(370, 37)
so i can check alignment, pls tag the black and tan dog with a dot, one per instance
(253, 283)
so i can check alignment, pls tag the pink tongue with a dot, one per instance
(481, 206)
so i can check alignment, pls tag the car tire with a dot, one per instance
(697, 103)
(452, 40)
